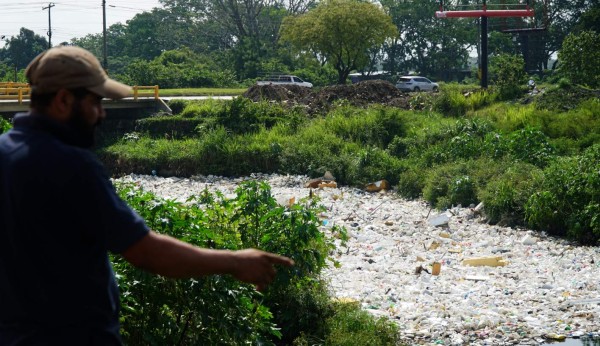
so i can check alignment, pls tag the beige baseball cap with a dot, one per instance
(72, 67)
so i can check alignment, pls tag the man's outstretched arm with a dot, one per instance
(173, 258)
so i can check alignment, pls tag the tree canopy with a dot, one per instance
(429, 45)
(579, 58)
(314, 39)
(21, 49)
(340, 31)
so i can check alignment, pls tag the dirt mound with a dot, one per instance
(359, 94)
(276, 92)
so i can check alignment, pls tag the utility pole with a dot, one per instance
(484, 49)
(50, 5)
(105, 61)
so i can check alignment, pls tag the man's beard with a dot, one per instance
(83, 134)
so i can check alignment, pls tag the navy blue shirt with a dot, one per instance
(59, 216)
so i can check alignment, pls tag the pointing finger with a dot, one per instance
(277, 259)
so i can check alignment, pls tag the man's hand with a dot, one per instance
(173, 258)
(257, 267)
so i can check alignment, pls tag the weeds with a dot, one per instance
(484, 155)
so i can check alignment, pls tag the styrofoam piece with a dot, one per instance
(439, 220)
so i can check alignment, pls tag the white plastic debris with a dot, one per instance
(439, 220)
(549, 287)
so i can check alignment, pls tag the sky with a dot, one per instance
(69, 18)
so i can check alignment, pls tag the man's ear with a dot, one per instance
(61, 105)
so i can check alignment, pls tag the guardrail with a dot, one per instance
(153, 90)
(14, 91)
(22, 91)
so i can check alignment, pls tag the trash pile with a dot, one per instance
(360, 94)
(444, 278)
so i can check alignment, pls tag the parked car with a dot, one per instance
(416, 83)
(284, 79)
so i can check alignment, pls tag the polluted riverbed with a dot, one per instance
(444, 277)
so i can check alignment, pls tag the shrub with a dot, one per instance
(313, 151)
(530, 145)
(375, 126)
(567, 202)
(579, 58)
(509, 74)
(454, 102)
(460, 140)
(241, 115)
(171, 127)
(167, 312)
(399, 146)
(564, 83)
(450, 185)
(156, 310)
(411, 180)
(203, 109)
(451, 103)
(505, 195)
(373, 164)
(5, 125)
(177, 105)
(495, 145)
(298, 309)
(352, 326)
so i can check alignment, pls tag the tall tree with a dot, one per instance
(249, 27)
(579, 58)
(21, 49)
(590, 20)
(559, 17)
(342, 31)
(429, 45)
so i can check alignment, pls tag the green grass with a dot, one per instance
(201, 92)
(438, 156)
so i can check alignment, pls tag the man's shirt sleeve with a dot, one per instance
(111, 220)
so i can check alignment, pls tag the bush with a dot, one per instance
(451, 103)
(5, 125)
(459, 140)
(177, 105)
(450, 185)
(456, 102)
(374, 126)
(373, 164)
(564, 83)
(567, 202)
(241, 115)
(313, 151)
(161, 311)
(530, 145)
(298, 309)
(505, 195)
(203, 109)
(579, 58)
(352, 326)
(411, 180)
(180, 68)
(509, 75)
(171, 127)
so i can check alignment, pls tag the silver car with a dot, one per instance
(416, 83)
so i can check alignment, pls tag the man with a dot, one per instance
(60, 215)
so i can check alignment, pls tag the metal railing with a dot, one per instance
(145, 90)
(22, 91)
(14, 91)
